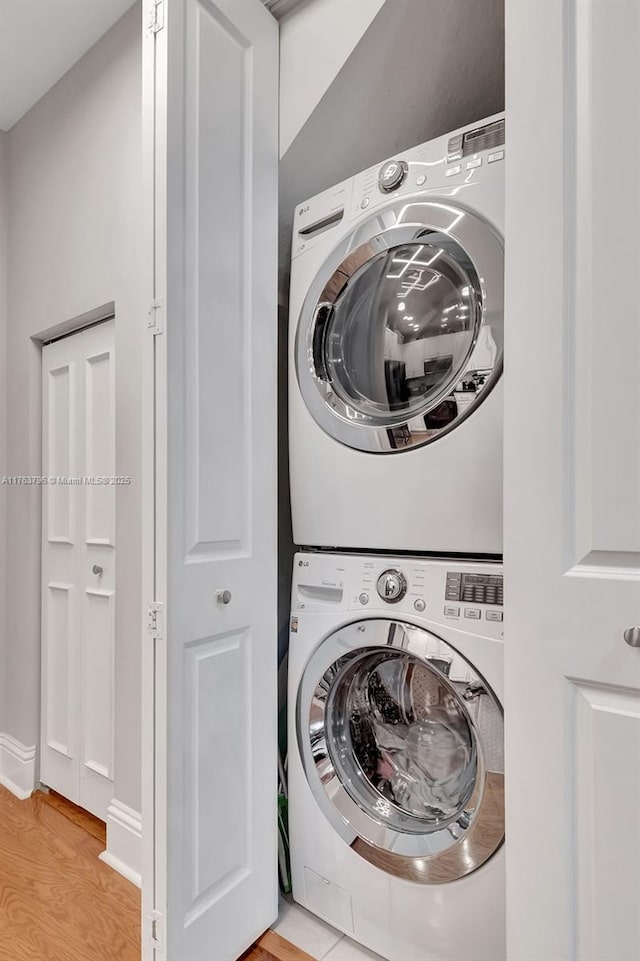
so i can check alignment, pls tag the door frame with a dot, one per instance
(154, 501)
(48, 335)
(98, 793)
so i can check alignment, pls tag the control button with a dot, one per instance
(454, 147)
(421, 180)
(364, 203)
(364, 598)
(452, 612)
(498, 155)
(494, 615)
(476, 162)
(392, 586)
(453, 170)
(419, 604)
(391, 175)
(473, 612)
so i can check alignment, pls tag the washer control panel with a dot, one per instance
(481, 588)
(456, 594)
(391, 586)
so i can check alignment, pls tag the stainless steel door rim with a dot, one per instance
(438, 258)
(408, 771)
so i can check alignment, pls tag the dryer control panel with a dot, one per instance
(447, 165)
(467, 596)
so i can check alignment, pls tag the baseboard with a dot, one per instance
(124, 841)
(17, 766)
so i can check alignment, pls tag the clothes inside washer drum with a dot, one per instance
(410, 738)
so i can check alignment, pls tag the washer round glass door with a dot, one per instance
(402, 745)
(401, 335)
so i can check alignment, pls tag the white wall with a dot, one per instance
(3, 398)
(74, 183)
(316, 39)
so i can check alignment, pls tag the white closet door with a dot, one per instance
(210, 883)
(78, 566)
(572, 481)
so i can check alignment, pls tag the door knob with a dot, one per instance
(224, 597)
(632, 636)
(96, 569)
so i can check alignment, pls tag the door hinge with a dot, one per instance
(154, 618)
(155, 930)
(156, 17)
(154, 323)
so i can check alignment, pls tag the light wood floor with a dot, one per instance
(58, 902)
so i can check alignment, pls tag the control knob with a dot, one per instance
(391, 175)
(392, 586)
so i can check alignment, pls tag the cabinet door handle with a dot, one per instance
(632, 636)
(224, 597)
(96, 569)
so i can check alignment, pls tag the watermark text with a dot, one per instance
(61, 480)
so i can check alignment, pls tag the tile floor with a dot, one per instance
(316, 937)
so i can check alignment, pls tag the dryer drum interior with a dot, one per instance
(401, 336)
(402, 743)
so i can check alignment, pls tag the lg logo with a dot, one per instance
(303, 563)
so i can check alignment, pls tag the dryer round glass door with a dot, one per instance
(402, 745)
(401, 335)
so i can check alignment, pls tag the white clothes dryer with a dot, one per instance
(396, 783)
(396, 352)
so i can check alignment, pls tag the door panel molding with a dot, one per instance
(600, 70)
(607, 922)
(60, 441)
(59, 670)
(100, 500)
(217, 301)
(99, 682)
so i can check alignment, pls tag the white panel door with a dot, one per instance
(78, 567)
(210, 883)
(572, 483)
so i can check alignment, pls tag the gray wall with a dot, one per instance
(74, 169)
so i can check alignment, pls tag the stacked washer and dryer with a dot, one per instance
(396, 778)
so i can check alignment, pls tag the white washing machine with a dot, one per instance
(396, 346)
(396, 793)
